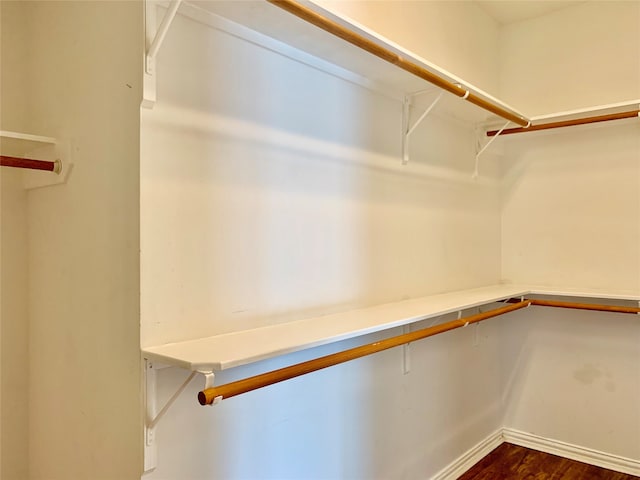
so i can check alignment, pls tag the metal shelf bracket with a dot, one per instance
(152, 416)
(154, 38)
(408, 129)
(406, 352)
(481, 150)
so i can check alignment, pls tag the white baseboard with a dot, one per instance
(555, 447)
(468, 459)
(573, 452)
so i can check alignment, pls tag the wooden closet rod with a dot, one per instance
(359, 41)
(568, 123)
(17, 162)
(206, 397)
(586, 306)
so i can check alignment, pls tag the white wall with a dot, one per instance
(84, 84)
(585, 55)
(574, 377)
(13, 328)
(571, 218)
(571, 208)
(14, 358)
(271, 192)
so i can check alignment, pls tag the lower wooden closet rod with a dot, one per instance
(206, 397)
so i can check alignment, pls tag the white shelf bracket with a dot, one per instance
(153, 417)
(160, 34)
(154, 38)
(406, 352)
(460, 316)
(407, 130)
(484, 148)
(209, 378)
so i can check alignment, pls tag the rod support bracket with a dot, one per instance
(408, 129)
(484, 148)
(209, 380)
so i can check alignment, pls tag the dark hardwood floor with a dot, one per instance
(510, 462)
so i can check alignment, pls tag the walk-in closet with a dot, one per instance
(318, 240)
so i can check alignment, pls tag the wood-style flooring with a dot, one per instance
(511, 462)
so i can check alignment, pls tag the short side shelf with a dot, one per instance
(44, 160)
(19, 144)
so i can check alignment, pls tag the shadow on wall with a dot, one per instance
(243, 81)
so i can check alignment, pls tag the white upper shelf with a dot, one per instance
(229, 350)
(292, 33)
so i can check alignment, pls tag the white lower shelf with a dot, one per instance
(229, 350)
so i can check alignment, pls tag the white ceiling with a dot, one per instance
(509, 11)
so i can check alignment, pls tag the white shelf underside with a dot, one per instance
(229, 350)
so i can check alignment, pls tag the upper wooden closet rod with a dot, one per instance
(17, 162)
(365, 44)
(208, 396)
(568, 123)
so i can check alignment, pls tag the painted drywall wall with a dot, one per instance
(571, 208)
(571, 202)
(581, 56)
(13, 75)
(84, 84)
(571, 217)
(270, 192)
(457, 36)
(14, 358)
(573, 376)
